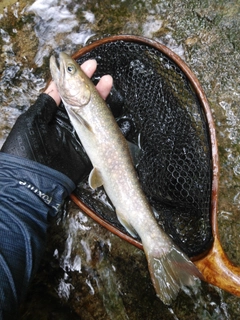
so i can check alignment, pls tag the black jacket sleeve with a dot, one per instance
(29, 193)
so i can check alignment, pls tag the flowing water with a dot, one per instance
(88, 273)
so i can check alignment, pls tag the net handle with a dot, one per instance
(214, 264)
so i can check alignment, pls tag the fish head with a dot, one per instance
(70, 80)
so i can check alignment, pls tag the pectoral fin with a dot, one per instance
(74, 114)
(126, 224)
(95, 179)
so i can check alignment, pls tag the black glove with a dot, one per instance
(44, 134)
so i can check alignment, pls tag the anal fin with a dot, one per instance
(126, 224)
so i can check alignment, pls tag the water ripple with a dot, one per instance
(54, 18)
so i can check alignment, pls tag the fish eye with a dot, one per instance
(71, 68)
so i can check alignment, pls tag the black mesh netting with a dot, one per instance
(158, 110)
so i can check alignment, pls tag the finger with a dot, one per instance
(104, 86)
(89, 67)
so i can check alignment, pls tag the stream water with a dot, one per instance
(88, 273)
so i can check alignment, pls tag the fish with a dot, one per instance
(113, 168)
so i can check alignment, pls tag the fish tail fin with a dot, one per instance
(170, 272)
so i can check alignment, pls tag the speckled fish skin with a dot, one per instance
(108, 151)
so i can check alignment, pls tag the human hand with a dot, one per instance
(44, 133)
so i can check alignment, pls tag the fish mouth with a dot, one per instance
(57, 61)
(56, 66)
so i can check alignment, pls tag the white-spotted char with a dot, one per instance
(113, 169)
